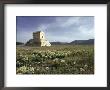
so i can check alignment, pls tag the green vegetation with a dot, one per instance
(57, 59)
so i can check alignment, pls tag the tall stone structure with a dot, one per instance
(39, 39)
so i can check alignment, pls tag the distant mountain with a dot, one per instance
(90, 41)
(19, 43)
(75, 42)
(58, 43)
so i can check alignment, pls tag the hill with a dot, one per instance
(84, 42)
(75, 42)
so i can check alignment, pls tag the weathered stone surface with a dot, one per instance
(38, 39)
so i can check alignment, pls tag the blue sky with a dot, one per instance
(56, 28)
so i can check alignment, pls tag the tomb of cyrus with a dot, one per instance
(39, 39)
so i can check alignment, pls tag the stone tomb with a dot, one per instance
(39, 39)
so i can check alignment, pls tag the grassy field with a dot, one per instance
(58, 59)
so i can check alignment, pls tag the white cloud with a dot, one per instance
(42, 27)
(68, 21)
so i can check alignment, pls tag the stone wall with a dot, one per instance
(39, 39)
